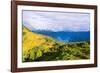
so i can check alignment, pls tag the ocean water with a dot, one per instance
(67, 36)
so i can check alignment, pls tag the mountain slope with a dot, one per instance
(37, 47)
(33, 40)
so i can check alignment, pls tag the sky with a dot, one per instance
(56, 21)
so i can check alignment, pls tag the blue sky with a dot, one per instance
(56, 21)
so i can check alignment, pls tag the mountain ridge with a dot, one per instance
(65, 35)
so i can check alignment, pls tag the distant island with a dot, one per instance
(51, 46)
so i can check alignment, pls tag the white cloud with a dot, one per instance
(56, 21)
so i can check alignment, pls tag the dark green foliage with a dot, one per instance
(60, 51)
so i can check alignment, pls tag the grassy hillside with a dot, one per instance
(37, 47)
